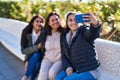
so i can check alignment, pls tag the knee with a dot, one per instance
(42, 74)
(61, 75)
(36, 55)
(37, 66)
(43, 71)
(52, 74)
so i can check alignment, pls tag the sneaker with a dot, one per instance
(24, 78)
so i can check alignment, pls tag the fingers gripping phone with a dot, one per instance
(80, 18)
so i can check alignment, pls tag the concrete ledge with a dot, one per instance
(11, 43)
(10, 35)
(109, 56)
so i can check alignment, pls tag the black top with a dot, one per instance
(80, 55)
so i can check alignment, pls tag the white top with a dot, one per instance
(52, 46)
(35, 36)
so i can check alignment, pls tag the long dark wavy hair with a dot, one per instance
(48, 27)
(28, 29)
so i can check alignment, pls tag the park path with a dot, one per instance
(11, 67)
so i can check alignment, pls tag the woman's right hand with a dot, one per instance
(39, 46)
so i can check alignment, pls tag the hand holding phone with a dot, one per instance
(80, 18)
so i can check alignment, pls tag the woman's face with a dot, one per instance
(71, 22)
(54, 22)
(37, 24)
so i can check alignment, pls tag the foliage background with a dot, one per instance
(108, 12)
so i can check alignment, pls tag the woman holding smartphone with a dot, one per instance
(78, 51)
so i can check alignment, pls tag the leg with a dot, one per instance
(31, 64)
(54, 70)
(61, 75)
(26, 64)
(35, 71)
(45, 66)
(80, 76)
(25, 77)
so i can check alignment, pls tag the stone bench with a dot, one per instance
(109, 56)
(108, 51)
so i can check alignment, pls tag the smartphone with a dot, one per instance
(79, 18)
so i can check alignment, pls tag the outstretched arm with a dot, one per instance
(93, 31)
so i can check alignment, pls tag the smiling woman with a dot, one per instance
(31, 47)
(78, 54)
(51, 63)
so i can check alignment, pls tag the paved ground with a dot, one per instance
(11, 68)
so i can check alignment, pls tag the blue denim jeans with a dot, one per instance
(61, 75)
(33, 65)
(75, 76)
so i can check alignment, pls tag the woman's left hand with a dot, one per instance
(93, 20)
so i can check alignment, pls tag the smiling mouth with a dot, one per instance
(73, 25)
(56, 25)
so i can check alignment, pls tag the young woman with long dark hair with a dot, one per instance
(78, 51)
(51, 63)
(30, 46)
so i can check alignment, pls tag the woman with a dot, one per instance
(78, 51)
(31, 48)
(51, 63)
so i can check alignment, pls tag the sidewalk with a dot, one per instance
(11, 68)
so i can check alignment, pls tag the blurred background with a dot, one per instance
(108, 11)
